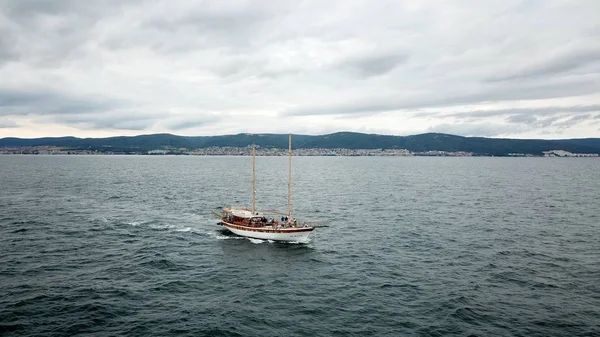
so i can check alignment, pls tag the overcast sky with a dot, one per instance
(95, 68)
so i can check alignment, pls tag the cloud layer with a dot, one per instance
(515, 68)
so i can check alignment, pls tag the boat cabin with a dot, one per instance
(244, 217)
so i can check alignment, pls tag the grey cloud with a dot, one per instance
(117, 120)
(233, 67)
(49, 33)
(14, 102)
(529, 111)
(580, 117)
(41, 46)
(226, 20)
(546, 122)
(494, 94)
(7, 43)
(87, 113)
(136, 125)
(204, 27)
(570, 121)
(522, 118)
(557, 65)
(561, 121)
(240, 65)
(343, 109)
(534, 117)
(134, 120)
(183, 123)
(27, 8)
(374, 65)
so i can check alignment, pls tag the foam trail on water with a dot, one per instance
(164, 227)
(223, 237)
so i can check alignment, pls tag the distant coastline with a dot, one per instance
(336, 144)
(318, 152)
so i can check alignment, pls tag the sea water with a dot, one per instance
(127, 246)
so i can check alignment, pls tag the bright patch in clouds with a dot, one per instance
(528, 69)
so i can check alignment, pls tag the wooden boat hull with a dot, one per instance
(264, 233)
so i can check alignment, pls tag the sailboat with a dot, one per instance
(251, 223)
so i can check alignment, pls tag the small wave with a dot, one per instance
(542, 284)
(134, 223)
(29, 222)
(160, 264)
(194, 216)
(256, 241)
(11, 327)
(470, 314)
(177, 286)
(509, 276)
(404, 285)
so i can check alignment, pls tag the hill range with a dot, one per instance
(346, 140)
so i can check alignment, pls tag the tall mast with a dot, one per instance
(253, 179)
(290, 176)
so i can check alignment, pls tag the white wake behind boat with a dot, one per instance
(249, 222)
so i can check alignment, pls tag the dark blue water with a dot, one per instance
(126, 246)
